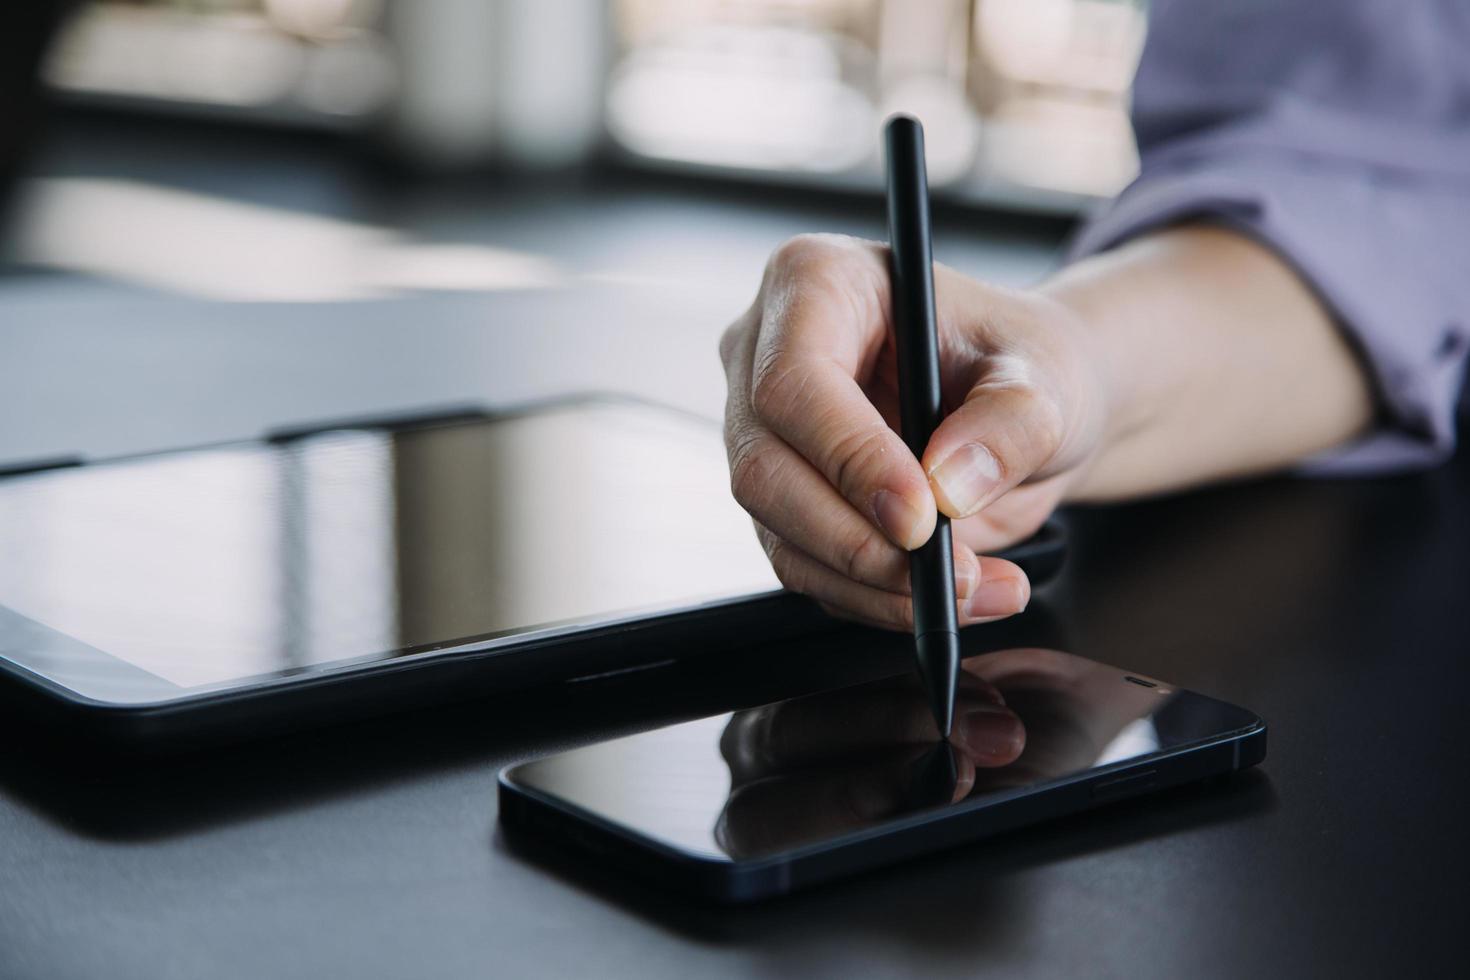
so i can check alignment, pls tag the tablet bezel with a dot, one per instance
(64, 667)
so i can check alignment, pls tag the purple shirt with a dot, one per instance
(1336, 132)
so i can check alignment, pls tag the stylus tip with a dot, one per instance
(939, 666)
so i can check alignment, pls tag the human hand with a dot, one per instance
(811, 424)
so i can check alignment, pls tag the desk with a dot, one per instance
(1335, 609)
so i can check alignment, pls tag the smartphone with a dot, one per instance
(770, 799)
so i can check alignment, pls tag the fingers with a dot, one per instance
(1011, 518)
(839, 497)
(786, 493)
(1003, 590)
(996, 589)
(799, 513)
(1007, 431)
(824, 320)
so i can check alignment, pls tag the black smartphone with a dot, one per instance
(770, 799)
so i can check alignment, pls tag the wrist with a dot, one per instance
(1217, 361)
(1112, 397)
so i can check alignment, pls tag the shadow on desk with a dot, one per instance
(946, 901)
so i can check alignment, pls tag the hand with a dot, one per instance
(815, 766)
(811, 426)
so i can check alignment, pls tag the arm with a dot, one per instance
(1218, 363)
(1188, 355)
(1286, 277)
(1335, 135)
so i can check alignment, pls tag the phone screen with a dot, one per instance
(771, 779)
(219, 564)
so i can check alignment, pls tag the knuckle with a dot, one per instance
(1032, 436)
(856, 456)
(1042, 426)
(862, 560)
(736, 335)
(789, 571)
(804, 253)
(1052, 429)
(739, 432)
(751, 470)
(777, 386)
(729, 340)
(748, 466)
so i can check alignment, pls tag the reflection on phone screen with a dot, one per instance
(777, 777)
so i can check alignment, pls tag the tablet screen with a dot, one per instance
(213, 565)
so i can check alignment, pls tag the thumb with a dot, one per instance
(1006, 432)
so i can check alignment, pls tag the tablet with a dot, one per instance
(378, 565)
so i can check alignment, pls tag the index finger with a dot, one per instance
(824, 323)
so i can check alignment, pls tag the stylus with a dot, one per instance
(911, 269)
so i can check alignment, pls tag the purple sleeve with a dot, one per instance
(1337, 134)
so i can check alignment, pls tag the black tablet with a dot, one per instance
(341, 571)
(363, 567)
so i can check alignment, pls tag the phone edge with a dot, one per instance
(530, 817)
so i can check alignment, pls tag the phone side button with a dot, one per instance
(1132, 782)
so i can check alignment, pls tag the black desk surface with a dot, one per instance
(1337, 610)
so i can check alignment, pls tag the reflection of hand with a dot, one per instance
(807, 768)
(1073, 708)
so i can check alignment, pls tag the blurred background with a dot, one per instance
(492, 200)
(1025, 99)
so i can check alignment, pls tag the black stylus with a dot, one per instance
(911, 269)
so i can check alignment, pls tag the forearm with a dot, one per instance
(1216, 362)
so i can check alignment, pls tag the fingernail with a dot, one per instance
(991, 735)
(999, 597)
(963, 479)
(896, 517)
(966, 574)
